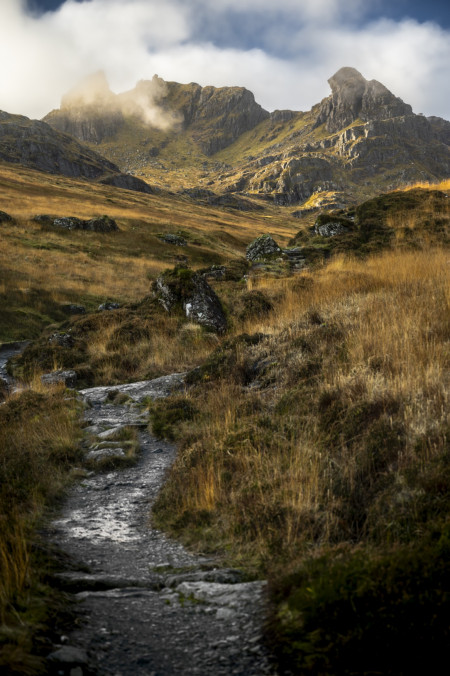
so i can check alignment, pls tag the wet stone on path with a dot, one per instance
(146, 605)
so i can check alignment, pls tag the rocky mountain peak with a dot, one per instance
(353, 97)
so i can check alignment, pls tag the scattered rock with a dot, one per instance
(68, 378)
(184, 288)
(68, 223)
(330, 229)
(262, 247)
(61, 339)
(101, 224)
(97, 224)
(5, 218)
(329, 225)
(170, 238)
(215, 272)
(109, 305)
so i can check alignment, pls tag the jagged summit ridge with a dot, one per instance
(353, 97)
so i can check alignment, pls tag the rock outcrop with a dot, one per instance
(261, 248)
(189, 291)
(96, 224)
(353, 97)
(5, 218)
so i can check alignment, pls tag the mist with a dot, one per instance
(284, 55)
(142, 102)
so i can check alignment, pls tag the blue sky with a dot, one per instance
(283, 50)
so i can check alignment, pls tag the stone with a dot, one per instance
(5, 218)
(97, 224)
(68, 378)
(68, 656)
(61, 339)
(109, 305)
(262, 247)
(170, 238)
(68, 223)
(330, 225)
(102, 453)
(101, 224)
(188, 290)
(330, 229)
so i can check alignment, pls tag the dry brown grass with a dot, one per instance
(367, 338)
(426, 185)
(38, 445)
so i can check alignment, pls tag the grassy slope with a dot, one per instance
(41, 269)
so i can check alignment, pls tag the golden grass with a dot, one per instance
(428, 185)
(39, 434)
(258, 461)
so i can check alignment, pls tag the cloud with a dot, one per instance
(284, 52)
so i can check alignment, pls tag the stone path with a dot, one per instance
(146, 605)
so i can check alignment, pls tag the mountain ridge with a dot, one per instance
(357, 141)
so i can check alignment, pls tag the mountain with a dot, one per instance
(37, 145)
(359, 140)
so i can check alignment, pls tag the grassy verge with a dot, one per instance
(38, 449)
(326, 428)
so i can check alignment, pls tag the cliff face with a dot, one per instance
(214, 117)
(353, 97)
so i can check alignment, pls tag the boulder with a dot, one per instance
(68, 378)
(68, 223)
(101, 224)
(184, 288)
(61, 339)
(109, 305)
(96, 224)
(330, 225)
(170, 238)
(262, 247)
(5, 218)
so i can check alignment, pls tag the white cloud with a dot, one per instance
(298, 46)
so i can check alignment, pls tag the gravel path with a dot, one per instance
(147, 606)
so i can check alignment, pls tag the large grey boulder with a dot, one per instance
(184, 288)
(262, 247)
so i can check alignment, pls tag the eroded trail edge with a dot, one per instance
(146, 605)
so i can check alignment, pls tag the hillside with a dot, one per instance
(358, 141)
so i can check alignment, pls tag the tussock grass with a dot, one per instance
(327, 427)
(38, 447)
